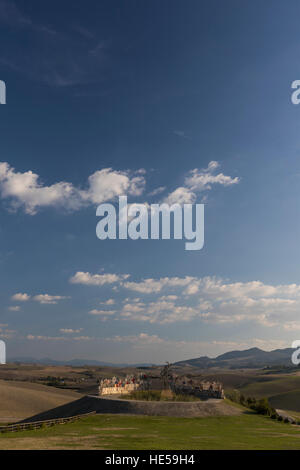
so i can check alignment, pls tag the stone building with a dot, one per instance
(179, 385)
(201, 389)
(119, 386)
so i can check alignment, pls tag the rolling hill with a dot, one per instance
(249, 358)
(19, 400)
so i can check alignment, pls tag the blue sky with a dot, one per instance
(107, 98)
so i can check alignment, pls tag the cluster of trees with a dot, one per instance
(260, 406)
(52, 381)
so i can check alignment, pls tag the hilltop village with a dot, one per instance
(176, 384)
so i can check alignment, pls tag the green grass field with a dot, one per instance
(157, 395)
(246, 431)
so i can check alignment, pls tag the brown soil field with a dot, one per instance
(19, 400)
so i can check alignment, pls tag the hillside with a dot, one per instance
(249, 358)
(88, 404)
(19, 400)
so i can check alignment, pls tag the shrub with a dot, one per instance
(262, 407)
(157, 395)
(242, 399)
(148, 395)
(234, 396)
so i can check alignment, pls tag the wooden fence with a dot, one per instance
(40, 424)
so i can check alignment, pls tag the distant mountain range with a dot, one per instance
(248, 358)
(73, 362)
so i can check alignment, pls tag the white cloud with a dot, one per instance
(70, 331)
(102, 312)
(108, 302)
(192, 289)
(292, 326)
(168, 297)
(96, 279)
(149, 286)
(160, 311)
(202, 180)
(182, 134)
(31, 337)
(143, 338)
(45, 338)
(135, 307)
(217, 287)
(198, 181)
(48, 299)
(19, 297)
(41, 298)
(106, 184)
(157, 191)
(6, 333)
(25, 190)
(188, 349)
(181, 195)
(83, 338)
(14, 308)
(212, 300)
